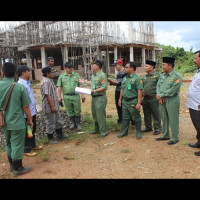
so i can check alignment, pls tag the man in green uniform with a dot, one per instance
(149, 103)
(130, 100)
(99, 85)
(15, 123)
(168, 88)
(67, 82)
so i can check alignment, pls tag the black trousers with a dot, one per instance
(195, 117)
(119, 109)
(30, 142)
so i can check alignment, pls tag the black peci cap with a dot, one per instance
(150, 62)
(168, 60)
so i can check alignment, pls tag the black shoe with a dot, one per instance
(197, 153)
(171, 142)
(194, 145)
(160, 139)
(156, 132)
(146, 130)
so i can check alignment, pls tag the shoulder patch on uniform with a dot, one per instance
(178, 80)
(103, 81)
(141, 81)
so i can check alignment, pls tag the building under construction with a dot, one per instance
(79, 42)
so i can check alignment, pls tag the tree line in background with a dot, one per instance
(184, 59)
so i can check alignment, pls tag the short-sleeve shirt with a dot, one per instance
(99, 80)
(68, 83)
(130, 85)
(150, 82)
(193, 96)
(47, 87)
(14, 115)
(169, 84)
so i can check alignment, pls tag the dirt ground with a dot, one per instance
(116, 158)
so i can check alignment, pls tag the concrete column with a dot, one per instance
(41, 31)
(108, 61)
(65, 54)
(43, 56)
(143, 56)
(131, 54)
(29, 60)
(154, 55)
(115, 57)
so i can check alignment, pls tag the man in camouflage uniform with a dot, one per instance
(168, 89)
(149, 103)
(56, 73)
(130, 100)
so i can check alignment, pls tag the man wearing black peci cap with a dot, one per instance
(149, 103)
(168, 89)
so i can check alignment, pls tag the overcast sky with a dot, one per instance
(184, 34)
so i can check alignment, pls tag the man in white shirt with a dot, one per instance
(24, 73)
(193, 101)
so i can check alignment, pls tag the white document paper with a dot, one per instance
(79, 90)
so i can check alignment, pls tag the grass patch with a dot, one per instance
(125, 151)
(44, 156)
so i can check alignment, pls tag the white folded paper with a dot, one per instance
(79, 90)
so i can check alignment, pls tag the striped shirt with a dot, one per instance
(47, 87)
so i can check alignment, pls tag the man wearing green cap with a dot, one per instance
(168, 89)
(67, 82)
(130, 100)
(149, 103)
(99, 85)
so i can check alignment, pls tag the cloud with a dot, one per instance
(179, 34)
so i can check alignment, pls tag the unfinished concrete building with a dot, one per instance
(79, 42)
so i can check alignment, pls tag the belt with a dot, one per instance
(98, 95)
(128, 99)
(70, 94)
(150, 97)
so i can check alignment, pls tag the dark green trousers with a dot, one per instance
(15, 141)
(99, 113)
(151, 109)
(170, 117)
(72, 105)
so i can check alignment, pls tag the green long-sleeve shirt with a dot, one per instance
(150, 82)
(169, 84)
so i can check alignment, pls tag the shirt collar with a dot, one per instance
(198, 70)
(24, 81)
(8, 80)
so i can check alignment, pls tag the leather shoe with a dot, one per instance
(160, 139)
(194, 145)
(197, 153)
(156, 132)
(146, 130)
(172, 142)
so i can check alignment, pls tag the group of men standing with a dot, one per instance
(158, 94)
